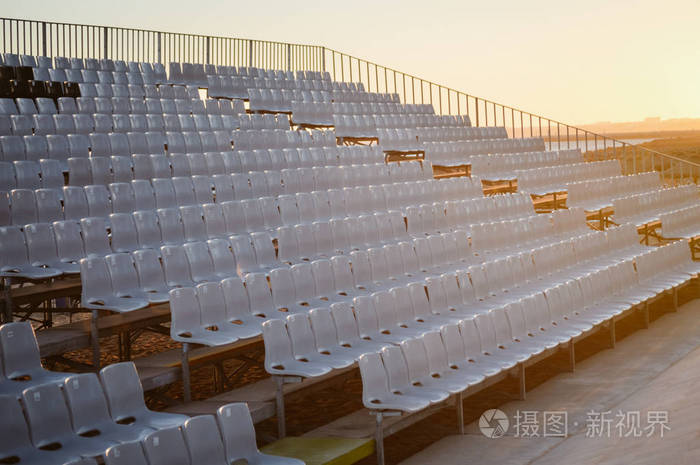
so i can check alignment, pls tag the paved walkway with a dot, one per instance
(651, 370)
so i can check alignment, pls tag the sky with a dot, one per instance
(576, 62)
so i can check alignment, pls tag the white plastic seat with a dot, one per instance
(95, 237)
(193, 223)
(46, 401)
(129, 453)
(20, 356)
(99, 204)
(48, 205)
(203, 439)
(15, 440)
(375, 388)
(122, 197)
(14, 257)
(42, 248)
(150, 275)
(89, 412)
(124, 393)
(238, 432)
(214, 313)
(304, 345)
(176, 266)
(23, 206)
(97, 290)
(187, 323)
(279, 358)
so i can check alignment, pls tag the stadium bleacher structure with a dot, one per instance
(303, 212)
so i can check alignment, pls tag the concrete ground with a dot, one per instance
(653, 372)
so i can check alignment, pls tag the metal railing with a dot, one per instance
(90, 41)
(47, 38)
(519, 123)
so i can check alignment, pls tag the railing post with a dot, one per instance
(43, 39)
(476, 104)
(160, 59)
(250, 53)
(323, 60)
(289, 57)
(208, 50)
(105, 38)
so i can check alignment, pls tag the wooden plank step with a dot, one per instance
(199, 355)
(361, 424)
(76, 335)
(44, 290)
(260, 394)
(322, 451)
(258, 410)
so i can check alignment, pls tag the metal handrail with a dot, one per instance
(50, 38)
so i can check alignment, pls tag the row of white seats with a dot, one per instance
(236, 87)
(114, 105)
(503, 166)
(275, 99)
(104, 170)
(89, 76)
(461, 214)
(459, 153)
(24, 206)
(541, 181)
(391, 317)
(647, 207)
(105, 416)
(422, 112)
(83, 123)
(457, 133)
(395, 315)
(497, 239)
(684, 222)
(61, 147)
(374, 270)
(447, 360)
(119, 104)
(60, 246)
(251, 71)
(26, 174)
(322, 113)
(61, 62)
(249, 139)
(265, 121)
(596, 194)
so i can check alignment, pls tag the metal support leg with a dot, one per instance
(612, 333)
(95, 340)
(7, 299)
(379, 439)
(186, 387)
(279, 403)
(460, 412)
(572, 356)
(675, 299)
(645, 315)
(522, 381)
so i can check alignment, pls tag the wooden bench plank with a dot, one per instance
(76, 335)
